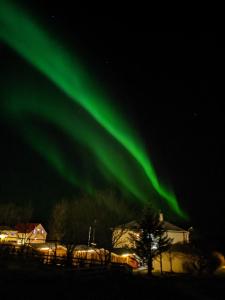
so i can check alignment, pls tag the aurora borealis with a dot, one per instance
(116, 150)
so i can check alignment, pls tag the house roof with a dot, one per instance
(26, 227)
(133, 225)
(172, 227)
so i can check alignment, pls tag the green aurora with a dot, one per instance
(117, 149)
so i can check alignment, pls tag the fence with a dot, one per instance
(26, 254)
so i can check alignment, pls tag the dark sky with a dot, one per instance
(171, 85)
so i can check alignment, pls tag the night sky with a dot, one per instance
(170, 86)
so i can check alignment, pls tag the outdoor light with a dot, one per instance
(3, 236)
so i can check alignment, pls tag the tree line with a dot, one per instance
(90, 220)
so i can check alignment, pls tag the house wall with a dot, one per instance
(60, 251)
(98, 254)
(38, 235)
(123, 238)
(178, 236)
(173, 262)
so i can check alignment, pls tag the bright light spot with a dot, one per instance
(3, 236)
(125, 255)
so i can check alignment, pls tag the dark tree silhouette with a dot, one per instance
(89, 220)
(11, 213)
(151, 237)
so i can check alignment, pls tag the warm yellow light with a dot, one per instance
(44, 248)
(84, 251)
(3, 236)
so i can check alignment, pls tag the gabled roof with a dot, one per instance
(172, 227)
(26, 227)
(133, 225)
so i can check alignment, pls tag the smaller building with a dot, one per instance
(125, 256)
(50, 249)
(31, 233)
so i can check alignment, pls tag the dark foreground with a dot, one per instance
(45, 283)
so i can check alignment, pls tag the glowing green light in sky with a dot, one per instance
(21, 33)
(76, 124)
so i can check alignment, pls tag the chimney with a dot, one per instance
(161, 217)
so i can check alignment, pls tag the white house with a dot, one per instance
(172, 261)
(122, 234)
(31, 233)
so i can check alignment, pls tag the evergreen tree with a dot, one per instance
(151, 239)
